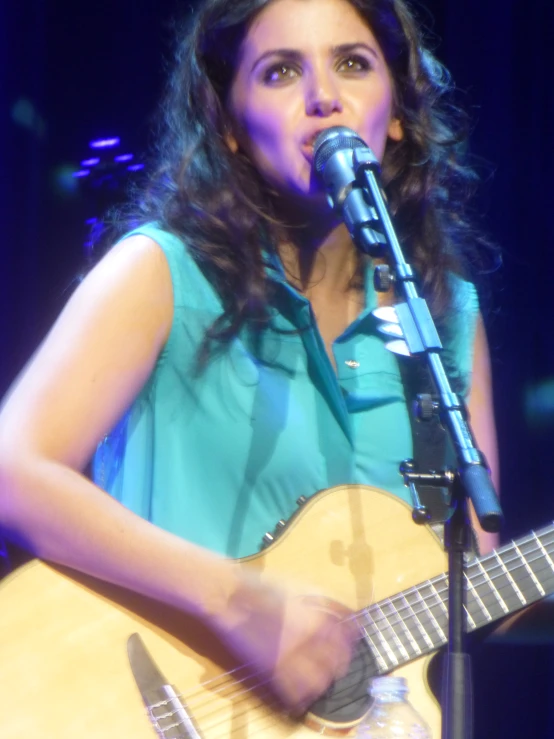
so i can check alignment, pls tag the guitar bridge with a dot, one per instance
(166, 711)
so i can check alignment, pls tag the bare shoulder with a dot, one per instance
(96, 358)
(137, 261)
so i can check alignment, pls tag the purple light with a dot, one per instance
(90, 162)
(104, 143)
(82, 173)
(135, 167)
(123, 158)
(91, 221)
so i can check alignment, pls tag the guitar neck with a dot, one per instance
(415, 621)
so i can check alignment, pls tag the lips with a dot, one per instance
(308, 144)
(310, 139)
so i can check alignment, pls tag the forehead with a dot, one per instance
(306, 24)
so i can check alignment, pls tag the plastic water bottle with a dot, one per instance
(391, 715)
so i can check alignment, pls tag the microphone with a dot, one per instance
(341, 159)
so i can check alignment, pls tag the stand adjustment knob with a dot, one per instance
(425, 407)
(383, 278)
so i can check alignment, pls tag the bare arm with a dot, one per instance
(84, 376)
(481, 412)
(87, 372)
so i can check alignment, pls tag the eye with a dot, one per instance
(354, 64)
(278, 73)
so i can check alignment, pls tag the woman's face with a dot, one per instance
(307, 65)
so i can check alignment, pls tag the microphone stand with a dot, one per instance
(364, 210)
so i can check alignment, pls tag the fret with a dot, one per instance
(529, 571)
(441, 619)
(406, 637)
(474, 599)
(433, 620)
(528, 568)
(437, 596)
(491, 588)
(373, 647)
(412, 615)
(470, 623)
(387, 603)
(520, 572)
(379, 631)
(435, 601)
(545, 554)
(506, 576)
(415, 621)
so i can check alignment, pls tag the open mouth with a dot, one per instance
(310, 141)
(308, 145)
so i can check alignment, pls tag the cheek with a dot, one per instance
(259, 122)
(262, 127)
(377, 125)
(262, 137)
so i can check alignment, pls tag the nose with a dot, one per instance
(323, 95)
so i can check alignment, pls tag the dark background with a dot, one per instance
(71, 71)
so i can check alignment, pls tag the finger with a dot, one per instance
(299, 685)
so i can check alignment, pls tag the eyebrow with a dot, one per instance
(295, 55)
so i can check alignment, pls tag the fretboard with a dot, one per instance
(415, 621)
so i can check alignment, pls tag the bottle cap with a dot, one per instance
(380, 685)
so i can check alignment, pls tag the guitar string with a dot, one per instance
(234, 708)
(440, 591)
(262, 703)
(507, 586)
(498, 567)
(235, 715)
(228, 682)
(267, 712)
(365, 613)
(526, 562)
(238, 688)
(232, 714)
(262, 697)
(442, 579)
(423, 609)
(265, 707)
(514, 558)
(197, 698)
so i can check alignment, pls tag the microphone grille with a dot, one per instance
(332, 140)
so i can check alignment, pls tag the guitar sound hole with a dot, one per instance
(347, 699)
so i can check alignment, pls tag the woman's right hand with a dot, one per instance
(298, 644)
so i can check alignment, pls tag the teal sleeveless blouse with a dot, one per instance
(218, 457)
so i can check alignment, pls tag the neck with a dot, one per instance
(317, 252)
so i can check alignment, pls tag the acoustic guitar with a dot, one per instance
(64, 667)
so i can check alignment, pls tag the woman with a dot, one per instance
(212, 347)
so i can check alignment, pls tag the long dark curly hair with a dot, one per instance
(217, 203)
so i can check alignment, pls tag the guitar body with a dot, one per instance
(64, 670)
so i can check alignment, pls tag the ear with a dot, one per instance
(396, 131)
